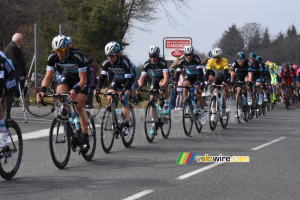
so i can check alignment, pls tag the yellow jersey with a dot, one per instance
(218, 68)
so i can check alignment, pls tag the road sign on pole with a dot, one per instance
(173, 46)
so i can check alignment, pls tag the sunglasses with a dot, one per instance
(217, 57)
(240, 60)
(187, 55)
(111, 56)
(59, 50)
(155, 56)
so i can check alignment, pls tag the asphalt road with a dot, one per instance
(149, 171)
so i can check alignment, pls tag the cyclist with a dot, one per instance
(243, 72)
(8, 85)
(273, 74)
(191, 64)
(286, 77)
(74, 71)
(257, 73)
(122, 81)
(219, 65)
(160, 77)
(265, 77)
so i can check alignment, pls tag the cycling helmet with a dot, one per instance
(112, 48)
(59, 42)
(210, 54)
(295, 66)
(252, 55)
(285, 65)
(259, 58)
(188, 49)
(217, 53)
(240, 56)
(69, 39)
(153, 50)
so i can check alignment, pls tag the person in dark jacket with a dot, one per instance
(14, 53)
(93, 83)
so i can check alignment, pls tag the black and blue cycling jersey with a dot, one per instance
(157, 69)
(123, 72)
(8, 76)
(191, 68)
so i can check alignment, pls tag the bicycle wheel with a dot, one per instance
(149, 120)
(11, 154)
(213, 124)
(91, 138)
(239, 107)
(198, 117)
(59, 143)
(186, 118)
(165, 122)
(107, 130)
(96, 106)
(36, 109)
(224, 122)
(128, 139)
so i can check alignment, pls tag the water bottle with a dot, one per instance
(76, 122)
(71, 120)
(194, 106)
(220, 103)
(158, 108)
(244, 101)
(118, 114)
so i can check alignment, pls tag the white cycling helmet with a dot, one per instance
(112, 48)
(69, 39)
(59, 42)
(188, 49)
(153, 50)
(217, 53)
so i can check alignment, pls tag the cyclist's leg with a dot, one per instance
(186, 82)
(3, 131)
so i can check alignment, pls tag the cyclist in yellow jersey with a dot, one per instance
(219, 65)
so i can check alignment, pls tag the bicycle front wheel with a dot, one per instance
(107, 130)
(149, 124)
(239, 107)
(198, 117)
(96, 106)
(59, 143)
(166, 125)
(11, 154)
(186, 118)
(128, 139)
(36, 109)
(91, 138)
(213, 116)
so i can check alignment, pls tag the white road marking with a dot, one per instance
(266, 144)
(39, 134)
(199, 170)
(139, 195)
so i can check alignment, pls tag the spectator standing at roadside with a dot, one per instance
(13, 51)
(93, 83)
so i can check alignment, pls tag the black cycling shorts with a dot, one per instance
(118, 84)
(71, 80)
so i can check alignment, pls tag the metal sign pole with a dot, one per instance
(36, 54)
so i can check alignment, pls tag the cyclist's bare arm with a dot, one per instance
(45, 83)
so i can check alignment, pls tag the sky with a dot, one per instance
(206, 20)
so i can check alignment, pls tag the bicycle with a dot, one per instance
(11, 154)
(258, 109)
(190, 112)
(217, 102)
(64, 136)
(154, 116)
(40, 109)
(242, 105)
(286, 97)
(113, 124)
